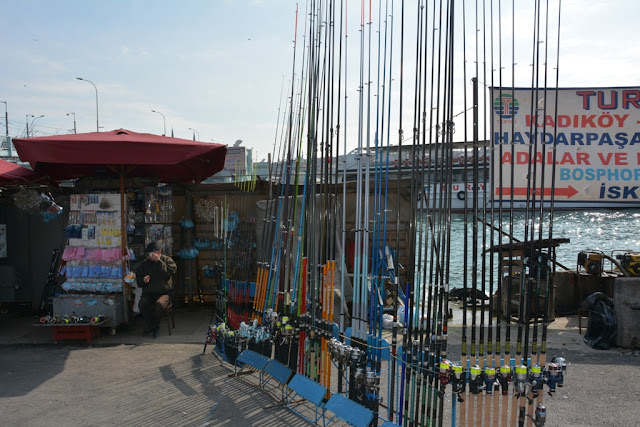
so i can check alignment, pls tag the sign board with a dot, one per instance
(595, 133)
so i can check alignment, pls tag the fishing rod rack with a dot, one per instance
(326, 238)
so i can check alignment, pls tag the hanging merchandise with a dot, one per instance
(28, 200)
(93, 268)
(188, 253)
(206, 210)
(186, 223)
(33, 202)
(158, 216)
(201, 244)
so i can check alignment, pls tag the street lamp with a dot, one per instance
(6, 121)
(196, 132)
(94, 86)
(164, 122)
(6, 116)
(32, 122)
(74, 122)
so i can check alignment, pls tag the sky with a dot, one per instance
(220, 70)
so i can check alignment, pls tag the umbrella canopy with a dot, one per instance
(13, 174)
(62, 157)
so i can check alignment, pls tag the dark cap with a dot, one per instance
(152, 247)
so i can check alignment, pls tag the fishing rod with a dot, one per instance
(343, 226)
(371, 302)
(435, 207)
(266, 228)
(448, 138)
(542, 360)
(438, 349)
(542, 273)
(394, 265)
(272, 275)
(397, 271)
(420, 208)
(475, 376)
(378, 277)
(490, 365)
(414, 290)
(462, 389)
(429, 208)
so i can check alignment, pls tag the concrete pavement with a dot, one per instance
(129, 379)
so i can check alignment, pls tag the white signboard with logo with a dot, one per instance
(584, 143)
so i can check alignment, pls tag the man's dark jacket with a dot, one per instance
(160, 273)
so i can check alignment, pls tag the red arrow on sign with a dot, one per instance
(522, 191)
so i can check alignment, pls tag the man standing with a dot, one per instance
(155, 277)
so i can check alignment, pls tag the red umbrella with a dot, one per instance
(122, 153)
(13, 174)
(136, 154)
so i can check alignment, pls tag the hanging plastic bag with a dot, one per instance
(602, 326)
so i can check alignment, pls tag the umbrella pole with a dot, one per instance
(123, 246)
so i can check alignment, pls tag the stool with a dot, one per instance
(166, 301)
(168, 313)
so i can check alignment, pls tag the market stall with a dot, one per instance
(97, 229)
(17, 187)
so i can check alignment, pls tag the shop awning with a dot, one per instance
(63, 157)
(14, 174)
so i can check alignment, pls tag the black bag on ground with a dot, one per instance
(602, 326)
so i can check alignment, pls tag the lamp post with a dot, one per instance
(33, 133)
(32, 122)
(6, 117)
(74, 122)
(195, 131)
(94, 86)
(164, 122)
(6, 121)
(27, 122)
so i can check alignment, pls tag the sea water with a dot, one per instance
(610, 231)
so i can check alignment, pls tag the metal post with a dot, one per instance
(74, 122)
(94, 86)
(164, 122)
(6, 124)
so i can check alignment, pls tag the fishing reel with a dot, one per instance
(359, 377)
(553, 377)
(562, 363)
(541, 415)
(521, 380)
(475, 379)
(371, 382)
(458, 380)
(591, 261)
(444, 375)
(271, 318)
(504, 378)
(630, 261)
(489, 379)
(286, 330)
(357, 357)
(536, 380)
(340, 352)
